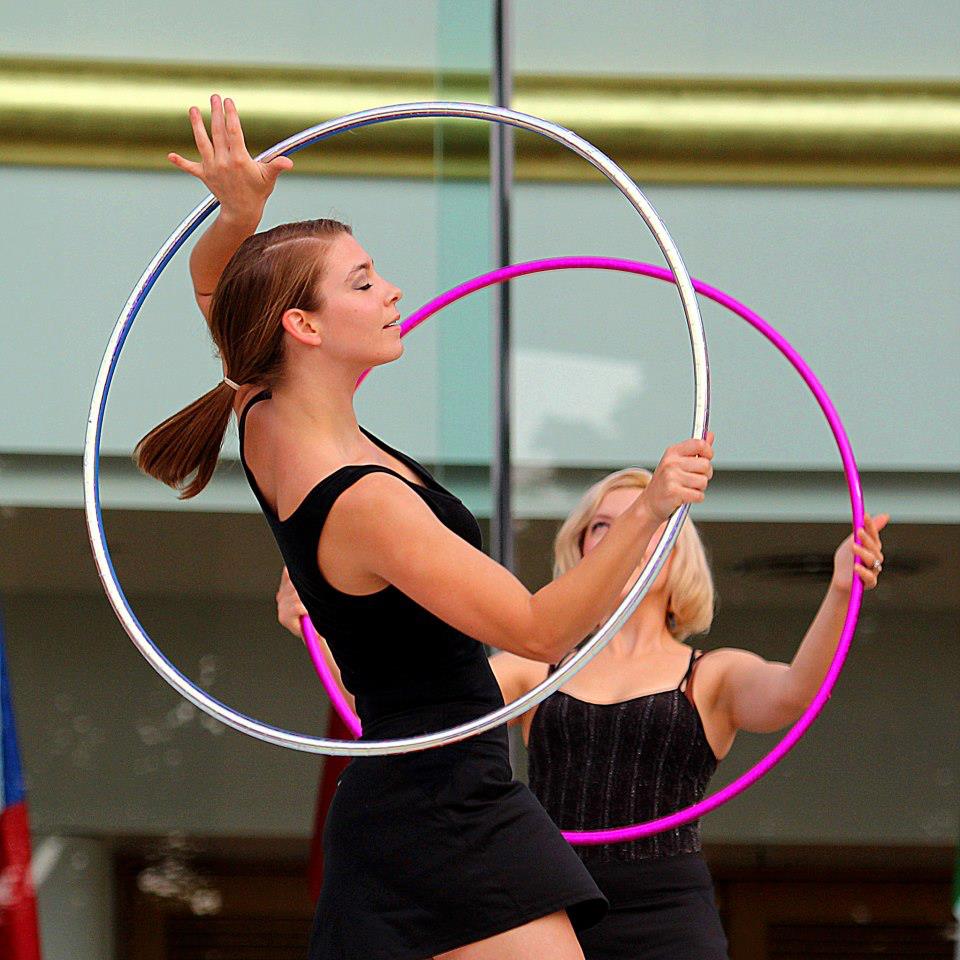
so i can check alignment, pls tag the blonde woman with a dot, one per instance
(638, 733)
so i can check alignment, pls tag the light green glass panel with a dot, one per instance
(464, 412)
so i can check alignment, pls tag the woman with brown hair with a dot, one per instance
(441, 852)
(638, 733)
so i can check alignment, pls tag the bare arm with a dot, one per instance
(241, 184)
(381, 528)
(213, 252)
(760, 696)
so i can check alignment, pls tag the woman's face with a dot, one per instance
(359, 319)
(610, 507)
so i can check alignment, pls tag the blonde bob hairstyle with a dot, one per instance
(689, 585)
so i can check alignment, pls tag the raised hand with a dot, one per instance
(865, 559)
(681, 477)
(240, 183)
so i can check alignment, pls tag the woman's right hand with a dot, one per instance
(240, 183)
(681, 477)
(289, 607)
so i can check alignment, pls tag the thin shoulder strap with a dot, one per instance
(241, 423)
(686, 677)
(417, 468)
(242, 419)
(691, 674)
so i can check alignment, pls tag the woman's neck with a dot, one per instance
(645, 633)
(321, 403)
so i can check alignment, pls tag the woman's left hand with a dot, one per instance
(864, 559)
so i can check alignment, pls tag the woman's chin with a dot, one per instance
(386, 357)
(396, 353)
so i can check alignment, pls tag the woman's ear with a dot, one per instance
(302, 326)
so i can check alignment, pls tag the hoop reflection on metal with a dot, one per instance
(793, 735)
(588, 648)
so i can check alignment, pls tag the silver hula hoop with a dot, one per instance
(589, 647)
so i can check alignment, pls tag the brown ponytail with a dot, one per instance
(188, 443)
(271, 272)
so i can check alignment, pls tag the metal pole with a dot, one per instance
(501, 181)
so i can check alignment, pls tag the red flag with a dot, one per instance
(332, 768)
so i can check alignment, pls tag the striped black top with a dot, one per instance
(608, 765)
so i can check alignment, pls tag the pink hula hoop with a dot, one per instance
(793, 735)
(312, 639)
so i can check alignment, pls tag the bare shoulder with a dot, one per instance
(381, 519)
(377, 499)
(722, 658)
(374, 524)
(716, 665)
(285, 469)
(720, 661)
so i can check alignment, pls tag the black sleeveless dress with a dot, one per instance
(603, 765)
(423, 852)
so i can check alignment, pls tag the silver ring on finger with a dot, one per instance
(877, 566)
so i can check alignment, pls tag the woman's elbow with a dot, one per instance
(526, 641)
(541, 654)
(544, 647)
(521, 628)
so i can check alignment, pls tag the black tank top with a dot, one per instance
(615, 764)
(398, 660)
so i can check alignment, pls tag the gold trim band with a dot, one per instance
(129, 115)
